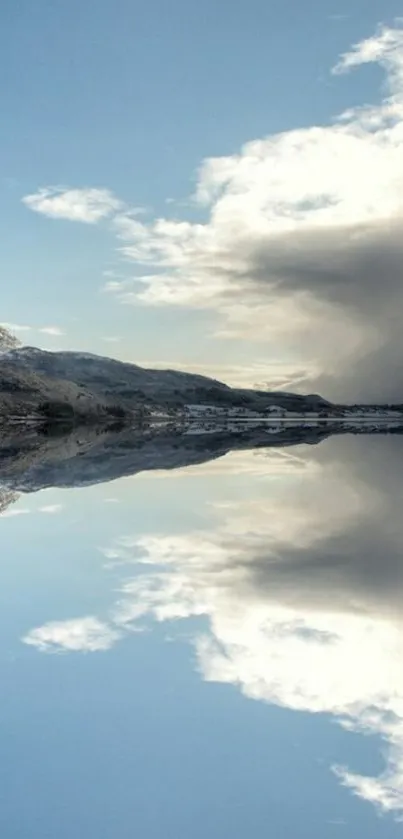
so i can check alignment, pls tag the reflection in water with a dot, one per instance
(7, 498)
(302, 592)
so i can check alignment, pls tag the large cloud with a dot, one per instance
(303, 244)
(303, 597)
(302, 591)
(299, 242)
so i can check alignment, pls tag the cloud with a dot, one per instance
(10, 328)
(302, 245)
(113, 286)
(385, 47)
(384, 792)
(15, 327)
(301, 649)
(86, 634)
(258, 373)
(298, 242)
(7, 498)
(51, 330)
(85, 205)
(299, 609)
(18, 511)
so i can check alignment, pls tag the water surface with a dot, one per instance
(210, 651)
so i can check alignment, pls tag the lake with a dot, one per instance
(211, 651)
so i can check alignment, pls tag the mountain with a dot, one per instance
(81, 388)
(73, 419)
(97, 385)
(27, 395)
(91, 454)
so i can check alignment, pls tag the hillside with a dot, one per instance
(99, 381)
(90, 455)
(81, 388)
(28, 396)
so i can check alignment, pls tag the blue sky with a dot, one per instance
(179, 187)
(133, 98)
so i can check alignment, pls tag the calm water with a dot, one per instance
(212, 652)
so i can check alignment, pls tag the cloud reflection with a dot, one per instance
(301, 590)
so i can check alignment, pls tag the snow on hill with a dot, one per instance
(84, 387)
(92, 454)
(134, 388)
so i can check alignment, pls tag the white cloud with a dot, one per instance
(299, 610)
(266, 463)
(300, 227)
(17, 511)
(259, 373)
(54, 331)
(51, 330)
(85, 205)
(385, 792)
(86, 634)
(7, 498)
(114, 286)
(385, 48)
(16, 327)
(51, 509)
(303, 657)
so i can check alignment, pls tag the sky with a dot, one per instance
(216, 188)
(183, 652)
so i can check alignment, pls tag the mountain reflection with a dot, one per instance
(301, 592)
